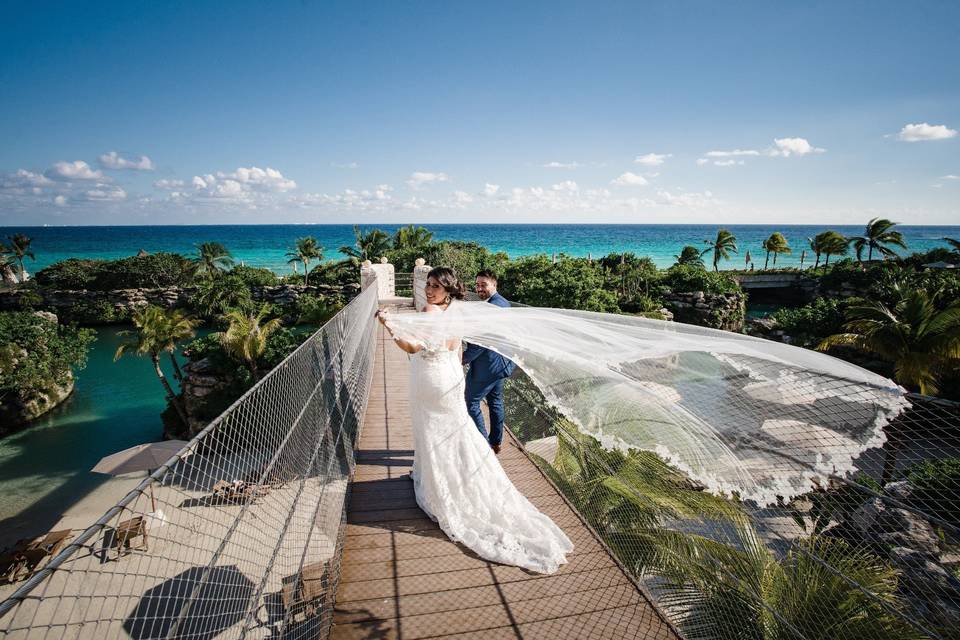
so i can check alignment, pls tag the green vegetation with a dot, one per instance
(936, 487)
(306, 250)
(17, 251)
(37, 355)
(878, 234)
(922, 342)
(807, 326)
(775, 244)
(721, 247)
(157, 331)
(246, 337)
(368, 246)
(212, 259)
(690, 255)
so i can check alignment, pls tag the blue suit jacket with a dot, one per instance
(487, 365)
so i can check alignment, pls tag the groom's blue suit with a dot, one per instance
(485, 377)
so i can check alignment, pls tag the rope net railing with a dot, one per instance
(237, 535)
(872, 552)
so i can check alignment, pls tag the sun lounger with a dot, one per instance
(27, 555)
(126, 534)
(238, 491)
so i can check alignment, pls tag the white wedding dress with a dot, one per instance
(459, 481)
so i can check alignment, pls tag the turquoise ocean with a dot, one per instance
(266, 245)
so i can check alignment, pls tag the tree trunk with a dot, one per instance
(253, 371)
(891, 449)
(775, 254)
(306, 273)
(177, 373)
(827, 263)
(22, 270)
(171, 396)
(803, 256)
(870, 253)
(817, 263)
(766, 264)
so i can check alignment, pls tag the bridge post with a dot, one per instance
(381, 273)
(420, 272)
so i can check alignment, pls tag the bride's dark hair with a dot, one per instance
(448, 279)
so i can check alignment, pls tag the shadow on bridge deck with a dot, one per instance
(402, 577)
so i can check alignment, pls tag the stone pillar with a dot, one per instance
(420, 272)
(382, 274)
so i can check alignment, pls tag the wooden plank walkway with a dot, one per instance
(403, 578)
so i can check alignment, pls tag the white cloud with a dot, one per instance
(950, 176)
(629, 179)
(345, 165)
(923, 131)
(566, 185)
(113, 160)
(490, 190)
(787, 147)
(60, 201)
(169, 184)
(23, 179)
(652, 159)
(727, 163)
(420, 178)
(702, 161)
(562, 165)
(462, 198)
(261, 179)
(105, 193)
(76, 170)
(689, 200)
(733, 153)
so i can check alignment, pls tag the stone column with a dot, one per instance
(382, 274)
(420, 272)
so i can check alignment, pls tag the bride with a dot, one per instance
(456, 477)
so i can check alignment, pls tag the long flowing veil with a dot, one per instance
(741, 415)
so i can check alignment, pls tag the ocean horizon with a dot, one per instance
(265, 245)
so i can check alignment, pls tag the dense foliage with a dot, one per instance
(37, 353)
(146, 271)
(810, 324)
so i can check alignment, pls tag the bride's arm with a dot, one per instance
(406, 345)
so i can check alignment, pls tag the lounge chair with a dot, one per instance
(126, 533)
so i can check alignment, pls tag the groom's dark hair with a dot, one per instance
(486, 273)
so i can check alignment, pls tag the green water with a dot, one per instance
(46, 468)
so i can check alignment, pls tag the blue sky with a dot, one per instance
(646, 112)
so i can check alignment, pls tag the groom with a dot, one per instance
(488, 370)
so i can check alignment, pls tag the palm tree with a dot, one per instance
(368, 245)
(803, 257)
(212, 258)
(920, 341)
(411, 237)
(215, 296)
(877, 235)
(306, 250)
(829, 243)
(953, 243)
(246, 338)
(822, 589)
(19, 249)
(775, 244)
(722, 247)
(160, 330)
(689, 255)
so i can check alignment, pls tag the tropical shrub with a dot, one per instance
(37, 354)
(148, 271)
(71, 274)
(937, 488)
(811, 323)
(254, 276)
(691, 277)
(570, 283)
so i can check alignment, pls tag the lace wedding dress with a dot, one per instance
(458, 480)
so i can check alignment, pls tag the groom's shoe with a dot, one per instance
(496, 448)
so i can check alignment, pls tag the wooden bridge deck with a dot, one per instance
(402, 577)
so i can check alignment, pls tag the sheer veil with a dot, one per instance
(741, 415)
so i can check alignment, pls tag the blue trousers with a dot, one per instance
(492, 390)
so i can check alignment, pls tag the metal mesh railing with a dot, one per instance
(403, 284)
(874, 554)
(237, 536)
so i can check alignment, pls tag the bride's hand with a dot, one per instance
(381, 315)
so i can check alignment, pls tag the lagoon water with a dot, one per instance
(266, 245)
(115, 405)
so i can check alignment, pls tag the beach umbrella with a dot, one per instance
(142, 457)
